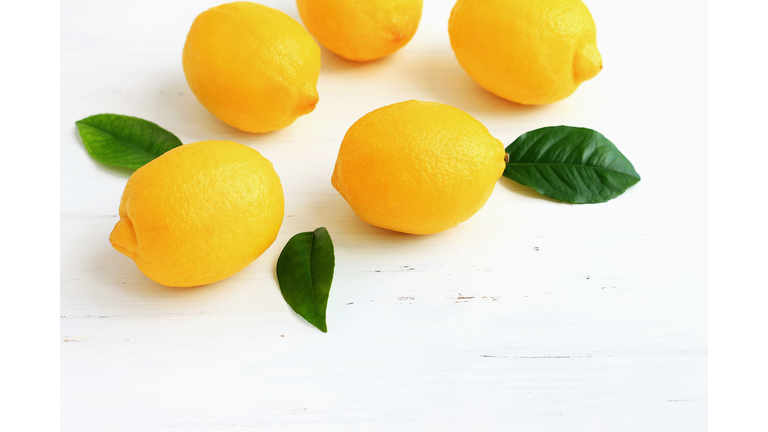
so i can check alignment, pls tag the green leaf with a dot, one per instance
(124, 141)
(305, 272)
(571, 164)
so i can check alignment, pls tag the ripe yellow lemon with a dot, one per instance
(417, 167)
(199, 213)
(253, 67)
(530, 52)
(361, 30)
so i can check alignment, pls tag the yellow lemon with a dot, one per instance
(361, 30)
(199, 213)
(530, 52)
(417, 167)
(253, 67)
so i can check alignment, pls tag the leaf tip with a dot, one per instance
(304, 273)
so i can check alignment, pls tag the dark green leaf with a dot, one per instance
(124, 141)
(305, 272)
(570, 164)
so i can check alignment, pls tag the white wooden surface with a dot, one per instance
(532, 315)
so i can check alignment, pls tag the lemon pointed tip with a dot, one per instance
(587, 63)
(123, 238)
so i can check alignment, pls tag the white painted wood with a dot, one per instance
(532, 315)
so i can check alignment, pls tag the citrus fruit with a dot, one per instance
(361, 30)
(529, 52)
(417, 167)
(253, 67)
(199, 213)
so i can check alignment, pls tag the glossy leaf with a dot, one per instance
(124, 141)
(305, 272)
(570, 164)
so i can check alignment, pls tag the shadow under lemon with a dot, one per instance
(439, 74)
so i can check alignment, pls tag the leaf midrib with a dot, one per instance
(571, 165)
(311, 282)
(123, 140)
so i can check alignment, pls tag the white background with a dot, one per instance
(531, 315)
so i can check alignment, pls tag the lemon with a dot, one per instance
(417, 167)
(530, 52)
(253, 67)
(361, 30)
(199, 213)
